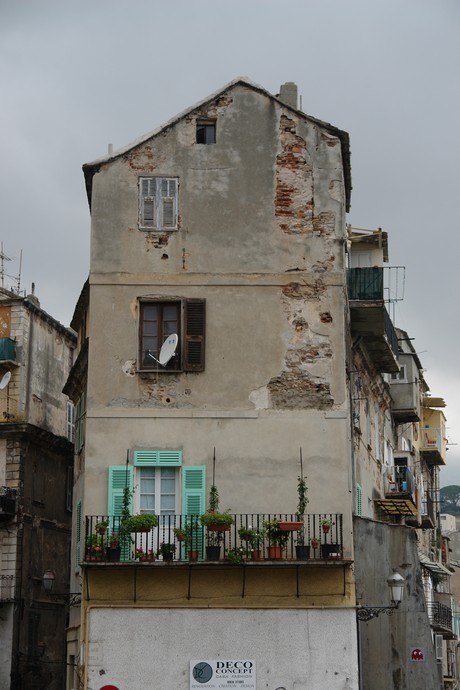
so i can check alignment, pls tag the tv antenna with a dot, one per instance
(167, 350)
(17, 279)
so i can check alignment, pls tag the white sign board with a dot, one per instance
(223, 674)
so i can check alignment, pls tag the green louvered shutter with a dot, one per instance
(193, 500)
(78, 536)
(120, 476)
(359, 500)
(157, 458)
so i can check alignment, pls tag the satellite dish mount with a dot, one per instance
(167, 351)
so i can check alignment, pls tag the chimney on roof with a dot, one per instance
(288, 94)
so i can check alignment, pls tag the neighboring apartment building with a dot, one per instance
(36, 461)
(227, 227)
(399, 445)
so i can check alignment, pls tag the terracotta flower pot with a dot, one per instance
(286, 526)
(274, 553)
(219, 527)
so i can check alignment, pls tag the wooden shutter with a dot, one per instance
(169, 203)
(158, 458)
(195, 327)
(438, 647)
(359, 500)
(193, 501)
(78, 536)
(120, 476)
(147, 202)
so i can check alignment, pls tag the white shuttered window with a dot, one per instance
(158, 203)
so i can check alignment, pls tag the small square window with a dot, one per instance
(205, 132)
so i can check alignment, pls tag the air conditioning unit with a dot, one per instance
(438, 647)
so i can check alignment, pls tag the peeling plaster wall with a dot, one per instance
(261, 237)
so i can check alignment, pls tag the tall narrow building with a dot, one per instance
(220, 345)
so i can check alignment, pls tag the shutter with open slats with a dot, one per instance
(158, 458)
(169, 203)
(120, 476)
(193, 500)
(147, 202)
(78, 536)
(195, 326)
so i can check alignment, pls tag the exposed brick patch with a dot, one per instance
(303, 292)
(324, 223)
(300, 391)
(294, 182)
(157, 240)
(325, 317)
(140, 159)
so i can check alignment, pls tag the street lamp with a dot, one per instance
(396, 584)
(48, 585)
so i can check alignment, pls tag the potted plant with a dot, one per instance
(235, 556)
(254, 540)
(114, 549)
(216, 524)
(167, 551)
(302, 549)
(101, 527)
(94, 548)
(277, 538)
(141, 555)
(181, 533)
(314, 541)
(143, 522)
(326, 524)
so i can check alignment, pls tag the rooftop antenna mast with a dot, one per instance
(17, 279)
(3, 258)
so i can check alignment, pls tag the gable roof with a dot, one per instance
(90, 169)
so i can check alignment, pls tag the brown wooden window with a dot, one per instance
(206, 132)
(160, 319)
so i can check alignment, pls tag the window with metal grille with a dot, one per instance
(158, 203)
(160, 319)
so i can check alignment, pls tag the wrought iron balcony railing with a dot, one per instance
(183, 538)
(440, 616)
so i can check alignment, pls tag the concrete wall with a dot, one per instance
(296, 650)
(386, 642)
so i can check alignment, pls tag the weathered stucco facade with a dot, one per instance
(36, 461)
(223, 233)
(259, 235)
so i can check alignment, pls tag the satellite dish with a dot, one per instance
(4, 381)
(167, 350)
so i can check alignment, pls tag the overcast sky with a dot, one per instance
(76, 76)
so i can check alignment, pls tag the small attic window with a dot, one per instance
(206, 132)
